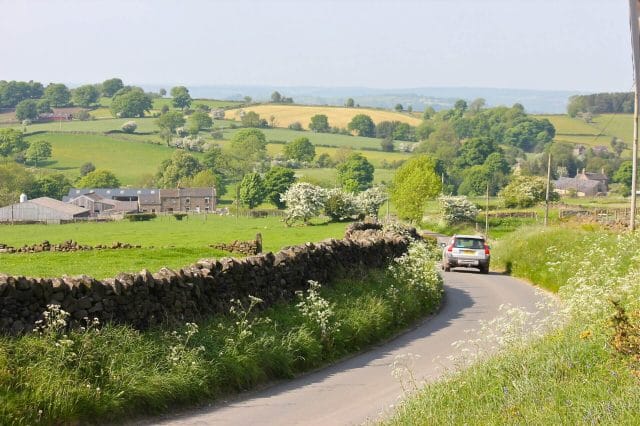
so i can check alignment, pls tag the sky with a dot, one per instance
(581, 45)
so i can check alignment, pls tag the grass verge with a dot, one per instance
(109, 373)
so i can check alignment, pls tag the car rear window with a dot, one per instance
(472, 243)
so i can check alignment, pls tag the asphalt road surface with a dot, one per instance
(363, 389)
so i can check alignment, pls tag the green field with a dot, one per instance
(599, 132)
(130, 161)
(158, 103)
(164, 240)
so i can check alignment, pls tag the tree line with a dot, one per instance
(601, 103)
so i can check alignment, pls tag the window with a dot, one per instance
(187, 200)
(186, 209)
(206, 200)
(206, 209)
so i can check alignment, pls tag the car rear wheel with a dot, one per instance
(484, 269)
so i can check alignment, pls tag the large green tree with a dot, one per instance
(252, 119)
(300, 149)
(14, 180)
(27, 110)
(50, 185)
(100, 178)
(197, 121)
(177, 170)
(38, 150)
(415, 182)
(12, 92)
(11, 142)
(319, 123)
(130, 102)
(247, 147)
(624, 176)
(355, 174)
(181, 97)
(276, 182)
(111, 86)
(168, 123)
(363, 125)
(85, 96)
(252, 190)
(57, 94)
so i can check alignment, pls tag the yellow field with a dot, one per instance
(338, 116)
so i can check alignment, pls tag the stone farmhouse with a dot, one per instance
(585, 184)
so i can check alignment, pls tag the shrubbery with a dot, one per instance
(305, 201)
(129, 127)
(140, 217)
(457, 210)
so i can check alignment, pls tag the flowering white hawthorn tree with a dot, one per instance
(303, 201)
(340, 205)
(370, 201)
(457, 209)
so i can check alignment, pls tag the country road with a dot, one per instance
(362, 388)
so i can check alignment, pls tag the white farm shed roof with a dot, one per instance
(43, 209)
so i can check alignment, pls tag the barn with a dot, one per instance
(43, 209)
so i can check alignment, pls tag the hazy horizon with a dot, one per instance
(560, 45)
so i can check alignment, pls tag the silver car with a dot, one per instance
(468, 251)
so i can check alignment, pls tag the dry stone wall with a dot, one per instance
(203, 289)
(65, 246)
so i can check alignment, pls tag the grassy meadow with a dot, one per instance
(164, 240)
(338, 116)
(599, 132)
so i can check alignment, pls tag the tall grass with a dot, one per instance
(570, 376)
(59, 376)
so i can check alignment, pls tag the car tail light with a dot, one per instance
(450, 248)
(487, 252)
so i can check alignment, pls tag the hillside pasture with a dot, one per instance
(327, 139)
(158, 103)
(130, 161)
(338, 116)
(145, 125)
(599, 132)
(618, 125)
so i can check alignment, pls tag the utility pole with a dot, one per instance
(546, 200)
(486, 215)
(634, 12)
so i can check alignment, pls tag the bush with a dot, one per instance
(83, 115)
(340, 205)
(180, 216)
(526, 191)
(296, 125)
(140, 217)
(303, 201)
(457, 210)
(129, 127)
(370, 201)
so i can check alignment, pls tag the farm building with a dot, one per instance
(585, 184)
(43, 209)
(99, 206)
(110, 200)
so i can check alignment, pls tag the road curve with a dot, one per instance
(362, 388)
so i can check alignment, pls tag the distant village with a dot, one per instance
(109, 203)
